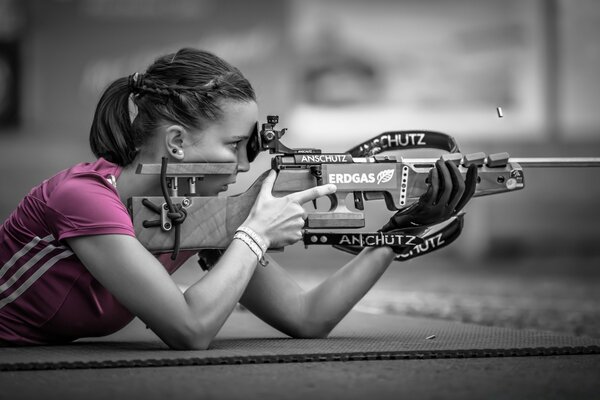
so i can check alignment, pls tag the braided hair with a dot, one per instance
(184, 88)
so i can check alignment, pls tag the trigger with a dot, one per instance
(334, 201)
(314, 202)
(358, 201)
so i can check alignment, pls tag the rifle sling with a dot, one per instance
(435, 238)
(405, 140)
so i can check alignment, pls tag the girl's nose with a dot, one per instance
(243, 163)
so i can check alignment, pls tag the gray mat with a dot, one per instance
(245, 339)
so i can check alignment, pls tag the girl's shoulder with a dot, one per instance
(87, 174)
(83, 199)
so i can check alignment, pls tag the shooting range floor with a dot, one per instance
(531, 331)
(366, 354)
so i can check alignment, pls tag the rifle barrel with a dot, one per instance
(543, 162)
(531, 162)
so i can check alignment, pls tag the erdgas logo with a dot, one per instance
(385, 176)
(382, 177)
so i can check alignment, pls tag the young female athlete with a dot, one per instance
(71, 266)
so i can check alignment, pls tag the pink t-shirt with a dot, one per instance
(46, 294)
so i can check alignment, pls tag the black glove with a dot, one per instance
(447, 194)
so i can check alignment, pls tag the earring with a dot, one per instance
(177, 151)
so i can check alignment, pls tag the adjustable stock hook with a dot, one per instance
(176, 214)
(153, 207)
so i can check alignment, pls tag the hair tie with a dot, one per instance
(135, 81)
(132, 108)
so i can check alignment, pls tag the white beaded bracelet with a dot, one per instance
(255, 236)
(244, 237)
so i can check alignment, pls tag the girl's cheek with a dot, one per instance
(226, 155)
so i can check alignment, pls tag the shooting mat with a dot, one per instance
(245, 339)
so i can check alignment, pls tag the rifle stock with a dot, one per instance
(210, 222)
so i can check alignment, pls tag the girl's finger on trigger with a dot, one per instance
(312, 193)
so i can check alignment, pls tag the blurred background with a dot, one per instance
(338, 72)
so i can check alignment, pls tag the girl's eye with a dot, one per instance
(235, 145)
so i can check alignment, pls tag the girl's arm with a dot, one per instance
(137, 279)
(274, 296)
(278, 300)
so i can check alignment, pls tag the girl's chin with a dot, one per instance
(222, 188)
(217, 190)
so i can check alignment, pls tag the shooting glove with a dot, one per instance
(447, 194)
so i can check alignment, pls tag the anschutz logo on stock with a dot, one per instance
(323, 158)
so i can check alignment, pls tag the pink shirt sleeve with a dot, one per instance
(87, 205)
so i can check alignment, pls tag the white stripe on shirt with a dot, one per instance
(33, 278)
(30, 263)
(22, 252)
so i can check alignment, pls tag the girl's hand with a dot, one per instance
(447, 194)
(280, 220)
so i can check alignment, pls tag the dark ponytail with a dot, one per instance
(185, 88)
(111, 136)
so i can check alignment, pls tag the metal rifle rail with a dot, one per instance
(530, 162)
(543, 162)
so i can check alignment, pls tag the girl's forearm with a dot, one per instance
(331, 300)
(213, 297)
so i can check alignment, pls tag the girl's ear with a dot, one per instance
(174, 140)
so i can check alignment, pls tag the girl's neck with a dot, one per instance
(130, 184)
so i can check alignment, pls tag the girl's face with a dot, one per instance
(223, 141)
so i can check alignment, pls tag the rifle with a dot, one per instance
(191, 222)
